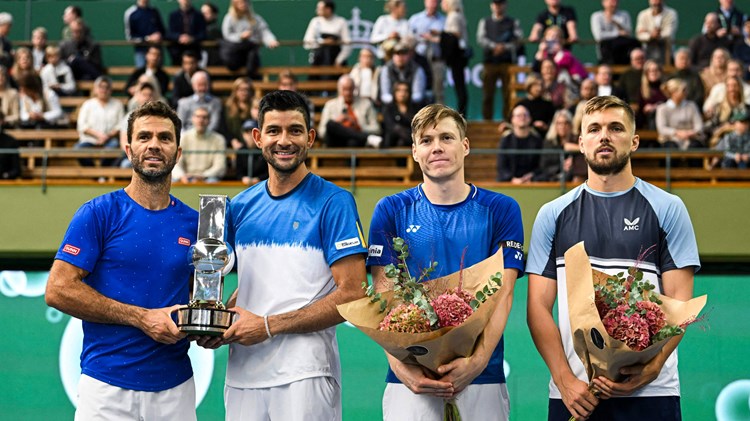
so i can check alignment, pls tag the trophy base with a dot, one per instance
(204, 321)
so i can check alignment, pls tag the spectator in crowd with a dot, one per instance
(144, 27)
(349, 121)
(561, 136)
(540, 109)
(288, 82)
(742, 49)
(519, 168)
(558, 15)
(719, 91)
(650, 96)
(23, 64)
(391, 28)
(734, 102)
(82, 53)
(203, 158)
(6, 47)
(684, 70)
(10, 162)
(735, 144)
(157, 95)
(9, 105)
(731, 20)
(213, 33)
(144, 94)
(402, 68)
(201, 97)
(243, 32)
(56, 74)
(237, 109)
(152, 67)
(716, 71)
(613, 32)
(181, 85)
(397, 117)
(703, 45)
(426, 27)
(366, 76)
(454, 44)
(186, 28)
(656, 27)
(567, 64)
(588, 91)
(259, 171)
(630, 80)
(501, 39)
(39, 107)
(38, 46)
(70, 14)
(99, 120)
(604, 84)
(678, 121)
(327, 36)
(555, 88)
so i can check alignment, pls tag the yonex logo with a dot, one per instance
(519, 255)
(413, 228)
(631, 225)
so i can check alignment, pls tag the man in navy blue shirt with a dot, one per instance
(143, 25)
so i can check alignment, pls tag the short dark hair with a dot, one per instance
(329, 4)
(190, 53)
(155, 109)
(284, 101)
(76, 10)
(212, 6)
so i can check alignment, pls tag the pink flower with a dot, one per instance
(462, 294)
(632, 329)
(406, 318)
(653, 315)
(451, 309)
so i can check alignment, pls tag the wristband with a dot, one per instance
(268, 330)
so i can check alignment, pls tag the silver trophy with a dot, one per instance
(205, 314)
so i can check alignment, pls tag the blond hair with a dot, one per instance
(431, 115)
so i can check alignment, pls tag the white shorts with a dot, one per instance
(101, 401)
(476, 402)
(316, 398)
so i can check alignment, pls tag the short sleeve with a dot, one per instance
(382, 231)
(341, 230)
(540, 249)
(81, 245)
(509, 233)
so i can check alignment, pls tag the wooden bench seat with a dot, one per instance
(48, 137)
(333, 164)
(108, 173)
(31, 155)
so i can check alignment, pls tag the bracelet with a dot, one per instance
(268, 330)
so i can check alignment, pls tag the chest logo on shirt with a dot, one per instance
(71, 249)
(349, 242)
(631, 225)
(413, 228)
(183, 241)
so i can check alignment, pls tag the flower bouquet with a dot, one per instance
(618, 321)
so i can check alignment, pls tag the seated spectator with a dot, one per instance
(588, 91)
(683, 70)
(153, 68)
(82, 54)
(734, 102)
(201, 98)
(6, 47)
(556, 88)
(656, 27)
(521, 168)
(38, 46)
(157, 96)
(742, 50)
(181, 85)
(99, 120)
(39, 107)
(397, 117)
(390, 28)
(454, 47)
(402, 68)
(70, 14)
(716, 71)
(203, 158)
(144, 94)
(23, 65)
(327, 36)
(719, 91)
(213, 33)
(237, 109)
(366, 76)
(560, 136)
(540, 109)
(186, 28)
(10, 162)
(349, 121)
(556, 15)
(143, 27)
(243, 32)
(630, 80)
(678, 121)
(288, 82)
(613, 32)
(259, 169)
(567, 64)
(731, 20)
(9, 105)
(604, 84)
(56, 74)
(703, 45)
(735, 144)
(650, 97)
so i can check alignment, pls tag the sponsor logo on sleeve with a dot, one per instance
(350, 242)
(71, 249)
(375, 251)
(512, 244)
(183, 241)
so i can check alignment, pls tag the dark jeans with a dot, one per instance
(661, 408)
(338, 136)
(238, 54)
(459, 82)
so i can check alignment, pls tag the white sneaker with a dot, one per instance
(374, 141)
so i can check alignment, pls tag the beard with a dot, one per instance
(154, 175)
(612, 166)
(285, 168)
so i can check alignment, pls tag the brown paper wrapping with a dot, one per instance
(432, 349)
(608, 359)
